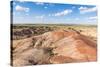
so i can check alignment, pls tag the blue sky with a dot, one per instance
(53, 13)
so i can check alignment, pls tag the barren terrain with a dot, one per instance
(53, 44)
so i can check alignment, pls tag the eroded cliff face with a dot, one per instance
(60, 46)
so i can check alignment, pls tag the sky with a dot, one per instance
(25, 12)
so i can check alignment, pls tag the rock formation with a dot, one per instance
(60, 46)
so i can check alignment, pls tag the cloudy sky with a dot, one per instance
(53, 13)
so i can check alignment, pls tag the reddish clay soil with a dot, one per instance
(60, 46)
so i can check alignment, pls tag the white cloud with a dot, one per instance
(45, 7)
(83, 8)
(49, 15)
(87, 10)
(42, 3)
(39, 17)
(21, 0)
(27, 14)
(76, 18)
(62, 13)
(93, 18)
(39, 3)
(20, 8)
